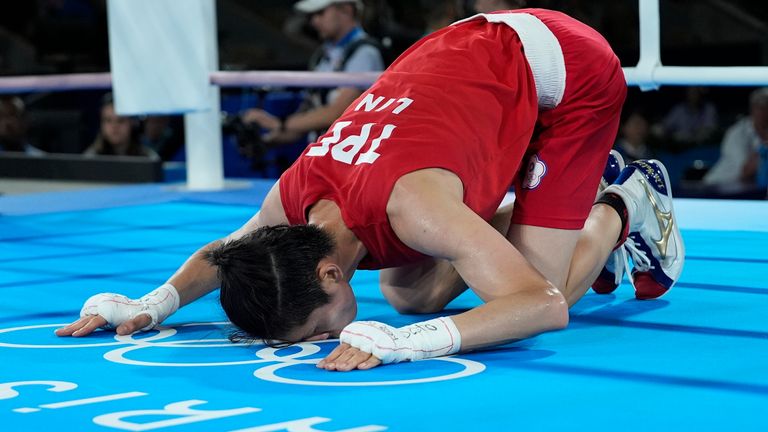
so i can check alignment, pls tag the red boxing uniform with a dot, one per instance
(471, 100)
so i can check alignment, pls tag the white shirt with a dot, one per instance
(740, 141)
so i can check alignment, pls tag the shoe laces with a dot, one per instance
(639, 258)
(620, 265)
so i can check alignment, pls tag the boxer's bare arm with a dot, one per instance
(520, 302)
(429, 285)
(195, 278)
(427, 213)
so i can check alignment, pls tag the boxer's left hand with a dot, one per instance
(367, 344)
(346, 358)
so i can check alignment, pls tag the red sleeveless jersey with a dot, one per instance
(462, 99)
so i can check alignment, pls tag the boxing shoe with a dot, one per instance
(613, 168)
(654, 242)
(611, 275)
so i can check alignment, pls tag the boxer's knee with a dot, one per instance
(409, 301)
(423, 307)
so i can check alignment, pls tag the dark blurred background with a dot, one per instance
(70, 36)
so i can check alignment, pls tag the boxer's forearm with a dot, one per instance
(196, 277)
(512, 317)
(497, 322)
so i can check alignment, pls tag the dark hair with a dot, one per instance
(102, 146)
(269, 281)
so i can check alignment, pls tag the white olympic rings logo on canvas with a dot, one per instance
(127, 344)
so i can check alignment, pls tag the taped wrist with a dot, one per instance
(160, 304)
(433, 338)
(117, 309)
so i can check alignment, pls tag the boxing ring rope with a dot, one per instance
(648, 74)
(103, 81)
(647, 78)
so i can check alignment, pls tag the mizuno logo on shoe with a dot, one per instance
(663, 218)
(650, 172)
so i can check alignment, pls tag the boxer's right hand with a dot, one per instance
(87, 324)
(115, 311)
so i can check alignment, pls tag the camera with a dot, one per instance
(248, 137)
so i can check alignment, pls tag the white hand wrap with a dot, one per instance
(433, 338)
(117, 309)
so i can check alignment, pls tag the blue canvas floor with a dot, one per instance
(693, 360)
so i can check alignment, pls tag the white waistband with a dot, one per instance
(542, 50)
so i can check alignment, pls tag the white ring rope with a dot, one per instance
(647, 78)
(293, 79)
(103, 81)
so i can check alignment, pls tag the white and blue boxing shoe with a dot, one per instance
(654, 242)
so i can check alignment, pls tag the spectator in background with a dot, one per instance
(744, 150)
(117, 136)
(13, 127)
(158, 134)
(485, 6)
(346, 48)
(691, 122)
(632, 142)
